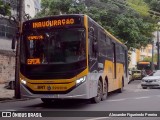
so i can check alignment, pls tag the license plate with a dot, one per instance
(51, 96)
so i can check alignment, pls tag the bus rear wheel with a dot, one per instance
(105, 94)
(98, 98)
(120, 90)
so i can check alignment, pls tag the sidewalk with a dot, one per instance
(6, 94)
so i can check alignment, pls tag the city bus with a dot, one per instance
(70, 57)
(147, 66)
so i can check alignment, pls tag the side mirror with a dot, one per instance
(100, 65)
(13, 43)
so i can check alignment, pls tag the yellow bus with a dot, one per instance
(146, 66)
(70, 57)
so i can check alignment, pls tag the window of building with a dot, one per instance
(150, 51)
(28, 6)
(142, 57)
(142, 49)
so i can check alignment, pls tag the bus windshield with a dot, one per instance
(144, 66)
(58, 46)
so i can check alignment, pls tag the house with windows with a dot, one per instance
(140, 54)
(144, 52)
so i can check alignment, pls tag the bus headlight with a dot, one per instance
(23, 81)
(80, 80)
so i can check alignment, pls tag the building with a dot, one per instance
(32, 7)
(140, 54)
(8, 29)
(144, 52)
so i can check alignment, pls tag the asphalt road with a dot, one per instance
(133, 98)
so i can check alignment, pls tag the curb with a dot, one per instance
(4, 100)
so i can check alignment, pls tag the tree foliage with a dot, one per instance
(154, 4)
(4, 8)
(149, 59)
(129, 21)
(140, 6)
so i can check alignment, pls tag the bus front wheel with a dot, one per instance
(98, 98)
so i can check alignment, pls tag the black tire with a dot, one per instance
(144, 87)
(98, 98)
(120, 90)
(105, 94)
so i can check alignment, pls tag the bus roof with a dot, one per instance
(108, 33)
(143, 62)
(47, 17)
(81, 15)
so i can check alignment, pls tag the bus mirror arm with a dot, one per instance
(95, 47)
(14, 40)
(13, 43)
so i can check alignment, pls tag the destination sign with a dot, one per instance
(33, 61)
(35, 37)
(53, 22)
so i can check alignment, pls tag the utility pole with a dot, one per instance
(17, 66)
(158, 57)
(152, 67)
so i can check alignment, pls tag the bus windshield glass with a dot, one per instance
(144, 66)
(58, 46)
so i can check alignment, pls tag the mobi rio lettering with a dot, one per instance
(52, 23)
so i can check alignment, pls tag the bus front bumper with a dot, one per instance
(83, 91)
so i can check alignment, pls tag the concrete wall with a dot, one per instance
(5, 44)
(7, 65)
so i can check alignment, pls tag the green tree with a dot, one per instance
(4, 8)
(147, 59)
(154, 4)
(127, 22)
(140, 6)
(155, 58)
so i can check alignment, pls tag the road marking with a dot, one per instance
(142, 97)
(118, 100)
(137, 98)
(8, 110)
(99, 118)
(141, 90)
(138, 88)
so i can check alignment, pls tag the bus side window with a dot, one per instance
(93, 45)
(109, 48)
